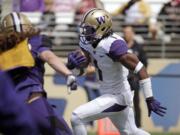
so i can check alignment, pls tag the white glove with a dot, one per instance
(71, 83)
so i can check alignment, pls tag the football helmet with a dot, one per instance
(16, 22)
(96, 23)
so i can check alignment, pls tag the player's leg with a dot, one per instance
(93, 110)
(125, 123)
(48, 122)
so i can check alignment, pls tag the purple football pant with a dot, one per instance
(15, 118)
(47, 120)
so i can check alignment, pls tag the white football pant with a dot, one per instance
(103, 107)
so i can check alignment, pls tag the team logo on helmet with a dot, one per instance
(101, 20)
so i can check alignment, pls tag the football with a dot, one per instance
(85, 62)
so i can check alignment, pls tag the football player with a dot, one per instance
(109, 53)
(23, 54)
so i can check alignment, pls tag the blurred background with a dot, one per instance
(155, 26)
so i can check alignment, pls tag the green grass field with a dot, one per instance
(151, 134)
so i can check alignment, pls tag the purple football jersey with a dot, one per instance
(29, 80)
(15, 116)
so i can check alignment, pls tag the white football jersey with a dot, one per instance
(112, 74)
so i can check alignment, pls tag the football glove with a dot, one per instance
(71, 83)
(155, 106)
(75, 60)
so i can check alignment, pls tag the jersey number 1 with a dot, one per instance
(99, 71)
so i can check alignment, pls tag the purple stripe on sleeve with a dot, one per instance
(42, 49)
(118, 48)
(38, 45)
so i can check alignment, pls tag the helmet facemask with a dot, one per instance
(87, 34)
(95, 25)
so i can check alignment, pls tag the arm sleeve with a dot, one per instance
(117, 49)
(45, 44)
(39, 44)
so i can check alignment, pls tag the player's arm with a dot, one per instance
(45, 54)
(43, 51)
(118, 52)
(55, 62)
(132, 63)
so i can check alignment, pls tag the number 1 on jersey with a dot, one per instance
(99, 71)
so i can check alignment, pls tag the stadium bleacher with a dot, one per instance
(65, 33)
(67, 40)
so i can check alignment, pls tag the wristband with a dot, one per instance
(138, 67)
(146, 87)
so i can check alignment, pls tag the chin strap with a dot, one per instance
(95, 43)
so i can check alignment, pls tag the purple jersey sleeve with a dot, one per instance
(118, 48)
(39, 44)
